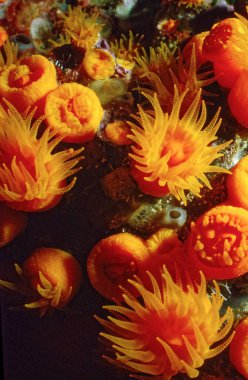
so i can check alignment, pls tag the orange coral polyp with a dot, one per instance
(99, 64)
(171, 153)
(170, 330)
(26, 83)
(226, 46)
(31, 177)
(73, 112)
(238, 98)
(238, 348)
(55, 276)
(218, 243)
(114, 260)
(237, 188)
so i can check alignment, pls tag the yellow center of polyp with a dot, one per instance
(20, 76)
(220, 241)
(120, 271)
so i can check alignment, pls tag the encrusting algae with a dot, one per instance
(172, 154)
(169, 331)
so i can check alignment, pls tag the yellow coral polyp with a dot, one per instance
(162, 71)
(170, 330)
(171, 153)
(99, 64)
(126, 49)
(83, 28)
(32, 178)
(26, 82)
(74, 112)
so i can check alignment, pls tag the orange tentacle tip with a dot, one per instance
(238, 348)
(218, 242)
(50, 276)
(26, 83)
(236, 183)
(3, 35)
(73, 112)
(114, 260)
(12, 224)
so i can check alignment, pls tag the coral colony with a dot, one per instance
(153, 119)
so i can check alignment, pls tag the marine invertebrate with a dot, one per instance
(3, 35)
(226, 47)
(170, 330)
(54, 275)
(8, 55)
(237, 98)
(32, 177)
(115, 259)
(171, 153)
(12, 224)
(162, 72)
(117, 132)
(126, 49)
(99, 64)
(74, 112)
(81, 27)
(27, 82)
(194, 3)
(218, 242)
(236, 184)
(238, 348)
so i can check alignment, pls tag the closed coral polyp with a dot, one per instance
(171, 153)
(74, 112)
(26, 83)
(170, 330)
(218, 242)
(226, 47)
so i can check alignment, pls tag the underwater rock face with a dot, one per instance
(123, 144)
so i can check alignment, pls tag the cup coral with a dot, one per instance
(31, 177)
(74, 112)
(172, 154)
(238, 348)
(115, 259)
(236, 184)
(26, 83)
(12, 224)
(81, 27)
(218, 242)
(49, 275)
(226, 47)
(99, 63)
(237, 98)
(162, 72)
(169, 331)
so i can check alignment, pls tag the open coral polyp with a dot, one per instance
(172, 154)
(169, 331)
(31, 177)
